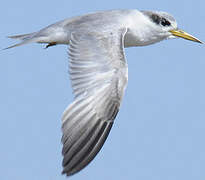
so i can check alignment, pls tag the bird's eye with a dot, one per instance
(164, 22)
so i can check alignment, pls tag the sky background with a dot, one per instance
(160, 129)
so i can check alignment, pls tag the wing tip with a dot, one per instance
(95, 146)
(68, 173)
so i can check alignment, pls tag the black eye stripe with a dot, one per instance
(160, 20)
(155, 18)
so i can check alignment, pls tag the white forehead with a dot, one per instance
(163, 14)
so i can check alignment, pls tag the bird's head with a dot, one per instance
(165, 26)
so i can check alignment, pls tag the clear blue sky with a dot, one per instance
(159, 132)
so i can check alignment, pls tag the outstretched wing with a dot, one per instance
(98, 72)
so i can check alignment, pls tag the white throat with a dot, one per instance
(142, 32)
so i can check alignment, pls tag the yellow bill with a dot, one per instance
(183, 34)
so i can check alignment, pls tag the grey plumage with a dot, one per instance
(98, 71)
(98, 78)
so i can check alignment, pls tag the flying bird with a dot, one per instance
(98, 71)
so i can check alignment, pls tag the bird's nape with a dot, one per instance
(98, 71)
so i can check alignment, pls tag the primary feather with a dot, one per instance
(98, 71)
(98, 77)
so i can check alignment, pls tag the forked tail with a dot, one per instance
(22, 36)
(25, 39)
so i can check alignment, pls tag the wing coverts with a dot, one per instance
(98, 72)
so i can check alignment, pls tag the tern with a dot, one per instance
(98, 71)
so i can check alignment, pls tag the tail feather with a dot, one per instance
(25, 39)
(22, 36)
(22, 43)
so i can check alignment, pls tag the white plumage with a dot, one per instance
(98, 71)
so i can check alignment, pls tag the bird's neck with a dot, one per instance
(141, 32)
